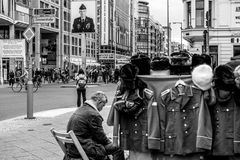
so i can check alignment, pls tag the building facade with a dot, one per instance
(149, 32)
(14, 19)
(224, 23)
(115, 32)
(55, 46)
(142, 28)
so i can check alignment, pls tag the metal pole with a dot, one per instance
(168, 27)
(30, 83)
(181, 37)
(207, 47)
(83, 47)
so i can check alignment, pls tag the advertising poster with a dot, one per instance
(83, 16)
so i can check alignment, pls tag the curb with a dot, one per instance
(74, 86)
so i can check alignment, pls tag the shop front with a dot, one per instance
(12, 57)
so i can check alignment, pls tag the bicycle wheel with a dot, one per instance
(17, 87)
(35, 87)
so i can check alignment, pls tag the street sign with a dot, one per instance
(43, 11)
(44, 15)
(44, 19)
(28, 34)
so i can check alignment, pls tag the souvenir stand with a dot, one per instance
(157, 84)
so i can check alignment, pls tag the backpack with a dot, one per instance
(81, 82)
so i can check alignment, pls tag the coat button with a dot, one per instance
(185, 125)
(173, 110)
(227, 110)
(183, 111)
(135, 132)
(184, 117)
(186, 132)
(169, 136)
(121, 132)
(135, 124)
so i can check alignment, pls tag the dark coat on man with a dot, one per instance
(86, 123)
(83, 26)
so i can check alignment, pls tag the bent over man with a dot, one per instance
(86, 123)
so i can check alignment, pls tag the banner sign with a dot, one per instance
(12, 48)
(105, 23)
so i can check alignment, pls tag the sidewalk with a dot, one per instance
(30, 139)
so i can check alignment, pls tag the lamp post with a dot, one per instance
(181, 31)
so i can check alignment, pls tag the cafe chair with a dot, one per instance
(69, 137)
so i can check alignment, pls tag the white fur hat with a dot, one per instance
(237, 71)
(202, 76)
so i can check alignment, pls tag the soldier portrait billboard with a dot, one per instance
(83, 17)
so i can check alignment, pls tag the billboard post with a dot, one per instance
(83, 51)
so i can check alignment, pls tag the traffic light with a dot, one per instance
(205, 40)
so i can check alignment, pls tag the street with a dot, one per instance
(50, 96)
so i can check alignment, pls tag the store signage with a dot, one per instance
(110, 56)
(44, 15)
(235, 14)
(12, 48)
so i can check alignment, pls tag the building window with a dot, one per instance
(236, 50)
(189, 15)
(199, 13)
(210, 14)
(65, 3)
(41, 4)
(4, 32)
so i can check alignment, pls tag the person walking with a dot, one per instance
(81, 86)
(11, 78)
(86, 123)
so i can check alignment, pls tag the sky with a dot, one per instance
(158, 10)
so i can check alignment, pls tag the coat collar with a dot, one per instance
(181, 99)
(90, 103)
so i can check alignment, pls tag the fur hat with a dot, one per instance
(128, 74)
(142, 62)
(224, 78)
(198, 59)
(160, 63)
(237, 71)
(202, 76)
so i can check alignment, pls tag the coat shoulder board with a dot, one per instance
(148, 93)
(165, 92)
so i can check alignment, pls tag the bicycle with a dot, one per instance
(20, 83)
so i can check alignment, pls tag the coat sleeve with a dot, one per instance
(153, 126)
(74, 30)
(110, 119)
(156, 124)
(97, 130)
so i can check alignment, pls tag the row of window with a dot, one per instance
(199, 14)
